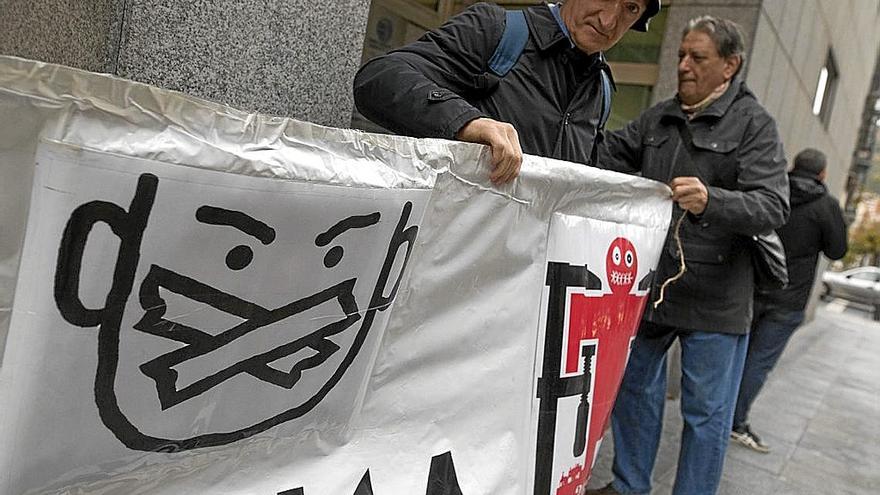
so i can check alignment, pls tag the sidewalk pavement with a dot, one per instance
(819, 411)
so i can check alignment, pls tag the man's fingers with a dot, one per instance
(690, 193)
(506, 155)
(683, 186)
(499, 161)
(504, 171)
(504, 143)
(686, 191)
(514, 158)
(517, 157)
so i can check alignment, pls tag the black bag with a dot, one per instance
(768, 260)
(768, 254)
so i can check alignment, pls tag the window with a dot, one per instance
(826, 88)
(876, 112)
(628, 103)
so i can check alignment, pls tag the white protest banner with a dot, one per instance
(207, 301)
(592, 306)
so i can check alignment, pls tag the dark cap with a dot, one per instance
(653, 7)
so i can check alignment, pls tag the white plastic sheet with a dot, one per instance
(197, 300)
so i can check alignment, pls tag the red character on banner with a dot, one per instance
(609, 322)
(574, 482)
(621, 310)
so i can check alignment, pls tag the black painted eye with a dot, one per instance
(239, 257)
(333, 256)
(615, 255)
(629, 259)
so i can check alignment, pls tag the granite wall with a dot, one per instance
(79, 34)
(293, 58)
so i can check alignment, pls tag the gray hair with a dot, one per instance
(727, 35)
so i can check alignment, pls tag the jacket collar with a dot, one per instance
(548, 35)
(545, 30)
(554, 9)
(672, 107)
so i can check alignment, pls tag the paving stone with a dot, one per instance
(814, 468)
(819, 411)
(785, 425)
(757, 481)
(772, 462)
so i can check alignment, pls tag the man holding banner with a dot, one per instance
(720, 152)
(532, 81)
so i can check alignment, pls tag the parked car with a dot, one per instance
(861, 285)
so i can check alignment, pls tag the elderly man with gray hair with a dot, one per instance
(720, 153)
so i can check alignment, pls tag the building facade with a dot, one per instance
(866, 159)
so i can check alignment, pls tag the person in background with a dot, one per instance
(816, 226)
(550, 103)
(720, 153)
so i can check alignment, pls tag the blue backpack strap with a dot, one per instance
(510, 47)
(606, 94)
(513, 41)
(606, 98)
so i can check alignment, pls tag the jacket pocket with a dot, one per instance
(655, 140)
(701, 253)
(707, 143)
(485, 83)
(438, 95)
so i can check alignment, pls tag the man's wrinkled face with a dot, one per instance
(701, 68)
(596, 25)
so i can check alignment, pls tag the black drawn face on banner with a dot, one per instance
(294, 351)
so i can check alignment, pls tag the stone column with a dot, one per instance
(292, 58)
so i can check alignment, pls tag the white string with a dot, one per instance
(681, 267)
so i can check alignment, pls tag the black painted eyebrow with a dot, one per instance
(353, 222)
(214, 215)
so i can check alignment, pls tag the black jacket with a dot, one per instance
(432, 87)
(816, 225)
(737, 153)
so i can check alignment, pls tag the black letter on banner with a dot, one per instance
(442, 479)
(129, 227)
(583, 411)
(363, 488)
(379, 300)
(551, 386)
